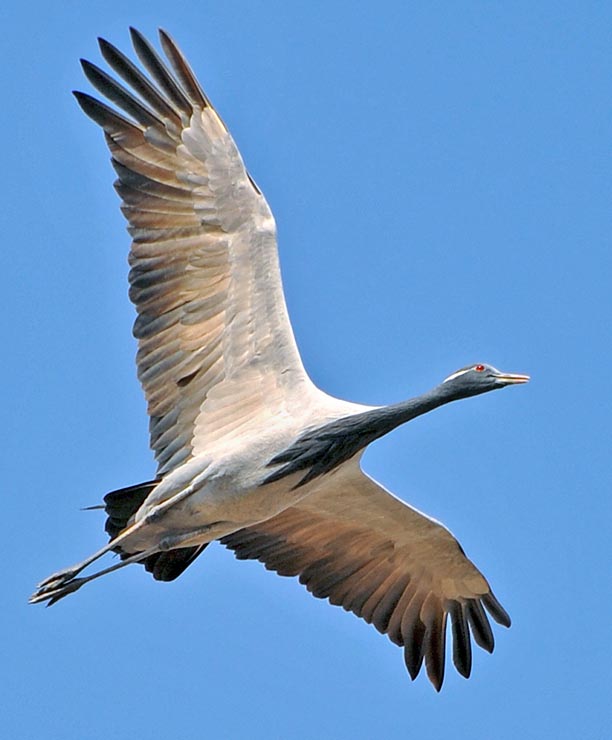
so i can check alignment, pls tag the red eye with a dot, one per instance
(479, 368)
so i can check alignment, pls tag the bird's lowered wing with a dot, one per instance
(214, 339)
(362, 548)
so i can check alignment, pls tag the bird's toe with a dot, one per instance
(57, 579)
(55, 593)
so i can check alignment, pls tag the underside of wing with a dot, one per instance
(212, 324)
(362, 548)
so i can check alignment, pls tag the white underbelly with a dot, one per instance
(225, 497)
(224, 484)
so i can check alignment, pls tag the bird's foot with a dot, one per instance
(56, 580)
(55, 593)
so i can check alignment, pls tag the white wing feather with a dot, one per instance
(215, 343)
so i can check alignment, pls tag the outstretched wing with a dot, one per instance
(214, 341)
(362, 548)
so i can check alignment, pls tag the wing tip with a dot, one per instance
(136, 36)
(165, 36)
(496, 610)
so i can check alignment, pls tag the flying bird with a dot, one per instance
(249, 452)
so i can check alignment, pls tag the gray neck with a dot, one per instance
(381, 421)
(320, 450)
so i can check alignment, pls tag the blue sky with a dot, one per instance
(440, 175)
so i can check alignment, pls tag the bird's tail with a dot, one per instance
(120, 506)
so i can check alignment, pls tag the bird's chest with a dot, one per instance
(232, 489)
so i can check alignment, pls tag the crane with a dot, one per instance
(249, 451)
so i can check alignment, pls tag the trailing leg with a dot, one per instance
(55, 593)
(63, 577)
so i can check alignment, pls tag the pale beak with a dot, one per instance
(511, 378)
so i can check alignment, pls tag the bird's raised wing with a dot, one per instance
(212, 326)
(362, 548)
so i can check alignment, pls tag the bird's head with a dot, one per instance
(475, 379)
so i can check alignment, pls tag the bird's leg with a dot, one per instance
(185, 539)
(62, 577)
(55, 593)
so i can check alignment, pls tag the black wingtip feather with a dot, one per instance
(479, 625)
(435, 650)
(182, 69)
(158, 71)
(414, 642)
(136, 35)
(102, 114)
(111, 54)
(496, 610)
(119, 95)
(130, 73)
(462, 646)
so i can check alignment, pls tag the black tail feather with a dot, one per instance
(120, 507)
(166, 566)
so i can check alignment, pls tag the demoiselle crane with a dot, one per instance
(249, 451)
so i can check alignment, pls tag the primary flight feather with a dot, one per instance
(249, 451)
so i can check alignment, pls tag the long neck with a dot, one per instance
(320, 450)
(381, 421)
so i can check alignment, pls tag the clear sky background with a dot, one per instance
(440, 174)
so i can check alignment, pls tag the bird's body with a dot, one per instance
(228, 482)
(249, 451)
